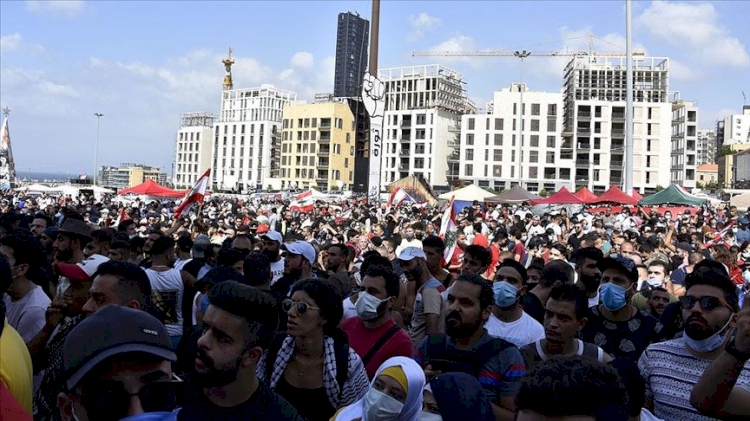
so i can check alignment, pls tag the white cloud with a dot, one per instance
(65, 7)
(303, 59)
(695, 29)
(421, 24)
(682, 72)
(456, 44)
(15, 43)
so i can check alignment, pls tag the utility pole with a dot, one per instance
(628, 180)
(96, 147)
(522, 55)
(374, 37)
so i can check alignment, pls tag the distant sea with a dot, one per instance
(44, 176)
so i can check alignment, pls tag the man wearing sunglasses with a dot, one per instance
(117, 363)
(673, 368)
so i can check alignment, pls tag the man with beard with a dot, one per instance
(428, 303)
(336, 264)
(467, 347)
(72, 238)
(272, 248)
(673, 368)
(298, 263)
(589, 276)
(238, 325)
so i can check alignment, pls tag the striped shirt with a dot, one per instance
(671, 372)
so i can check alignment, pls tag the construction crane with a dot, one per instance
(507, 53)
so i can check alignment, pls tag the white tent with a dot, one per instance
(35, 188)
(468, 194)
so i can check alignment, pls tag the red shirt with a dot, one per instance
(361, 339)
(10, 409)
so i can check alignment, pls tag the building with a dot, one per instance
(594, 122)
(422, 107)
(129, 175)
(192, 151)
(706, 147)
(352, 39)
(732, 136)
(737, 128)
(492, 155)
(684, 157)
(318, 146)
(708, 175)
(246, 145)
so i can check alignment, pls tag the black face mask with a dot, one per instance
(272, 255)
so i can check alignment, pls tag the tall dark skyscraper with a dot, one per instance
(352, 39)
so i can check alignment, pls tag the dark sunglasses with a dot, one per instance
(110, 401)
(707, 303)
(301, 306)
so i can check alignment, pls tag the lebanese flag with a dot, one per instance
(448, 231)
(195, 195)
(304, 205)
(303, 195)
(397, 196)
(5, 134)
(121, 217)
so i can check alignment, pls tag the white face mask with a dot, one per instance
(380, 407)
(429, 416)
(367, 306)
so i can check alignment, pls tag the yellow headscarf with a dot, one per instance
(397, 373)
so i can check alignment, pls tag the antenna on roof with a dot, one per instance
(745, 98)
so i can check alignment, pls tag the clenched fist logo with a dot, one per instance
(373, 93)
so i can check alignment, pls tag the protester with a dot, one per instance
(455, 397)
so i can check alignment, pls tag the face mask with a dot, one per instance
(613, 296)
(655, 282)
(380, 407)
(368, 305)
(505, 294)
(709, 344)
(154, 416)
(429, 416)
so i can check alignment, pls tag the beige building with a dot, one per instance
(707, 174)
(317, 146)
(129, 175)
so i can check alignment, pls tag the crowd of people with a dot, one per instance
(249, 310)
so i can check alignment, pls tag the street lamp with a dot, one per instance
(96, 147)
(522, 55)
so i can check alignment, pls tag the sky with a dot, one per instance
(143, 63)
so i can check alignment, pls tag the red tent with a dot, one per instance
(152, 188)
(585, 195)
(615, 195)
(636, 195)
(562, 197)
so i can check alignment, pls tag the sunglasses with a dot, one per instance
(301, 306)
(110, 401)
(707, 303)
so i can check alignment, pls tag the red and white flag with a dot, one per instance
(121, 217)
(195, 195)
(303, 195)
(449, 230)
(305, 205)
(397, 196)
(5, 134)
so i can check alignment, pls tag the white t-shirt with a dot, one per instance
(594, 301)
(27, 315)
(350, 309)
(180, 263)
(523, 331)
(277, 270)
(167, 289)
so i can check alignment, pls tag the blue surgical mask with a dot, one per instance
(613, 296)
(505, 294)
(712, 343)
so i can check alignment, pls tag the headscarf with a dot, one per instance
(414, 397)
(460, 397)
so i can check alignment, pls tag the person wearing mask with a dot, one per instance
(272, 241)
(467, 347)
(119, 283)
(455, 397)
(299, 364)
(615, 325)
(428, 303)
(238, 325)
(565, 316)
(673, 368)
(395, 393)
(118, 373)
(658, 279)
(299, 260)
(508, 320)
(373, 333)
(586, 261)
(554, 273)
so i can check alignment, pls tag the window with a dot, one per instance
(498, 139)
(550, 141)
(550, 159)
(534, 141)
(551, 124)
(419, 148)
(497, 170)
(419, 163)
(534, 125)
(533, 156)
(533, 172)
(421, 118)
(469, 154)
(468, 170)
(497, 155)
(535, 109)
(498, 124)
(471, 124)
(470, 139)
(551, 110)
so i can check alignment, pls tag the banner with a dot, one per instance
(373, 96)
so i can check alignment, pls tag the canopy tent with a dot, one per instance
(464, 197)
(585, 195)
(516, 194)
(36, 187)
(152, 188)
(615, 195)
(742, 201)
(562, 197)
(672, 195)
(636, 195)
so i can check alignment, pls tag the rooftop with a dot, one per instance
(708, 167)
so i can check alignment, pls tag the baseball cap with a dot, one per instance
(83, 270)
(273, 236)
(301, 247)
(262, 228)
(111, 331)
(200, 245)
(409, 253)
(623, 264)
(682, 245)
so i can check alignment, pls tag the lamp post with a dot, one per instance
(96, 147)
(522, 55)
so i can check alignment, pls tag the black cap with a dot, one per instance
(111, 331)
(684, 246)
(623, 264)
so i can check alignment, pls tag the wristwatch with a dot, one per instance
(732, 350)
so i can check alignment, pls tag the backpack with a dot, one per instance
(340, 350)
(449, 359)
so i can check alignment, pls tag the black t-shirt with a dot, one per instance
(533, 306)
(263, 405)
(620, 339)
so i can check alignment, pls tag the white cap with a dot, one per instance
(274, 235)
(409, 253)
(301, 247)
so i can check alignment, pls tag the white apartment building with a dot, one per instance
(706, 151)
(736, 128)
(422, 104)
(594, 122)
(492, 154)
(684, 144)
(192, 151)
(247, 137)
